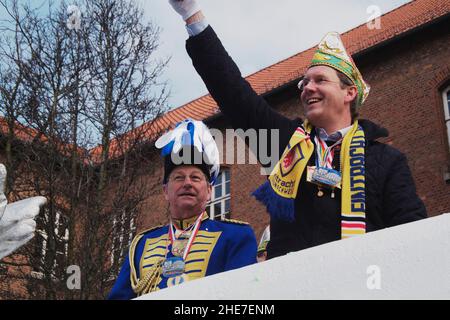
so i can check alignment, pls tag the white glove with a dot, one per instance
(17, 223)
(185, 8)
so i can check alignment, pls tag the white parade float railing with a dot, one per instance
(410, 261)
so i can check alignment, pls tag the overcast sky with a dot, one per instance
(256, 33)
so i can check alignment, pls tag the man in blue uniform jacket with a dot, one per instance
(190, 246)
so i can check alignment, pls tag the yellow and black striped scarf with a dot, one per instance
(279, 192)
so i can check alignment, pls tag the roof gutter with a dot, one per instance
(402, 35)
(375, 47)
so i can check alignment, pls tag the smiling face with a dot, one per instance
(187, 192)
(326, 103)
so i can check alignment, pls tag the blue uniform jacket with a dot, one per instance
(219, 246)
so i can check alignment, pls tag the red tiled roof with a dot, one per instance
(405, 18)
(20, 131)
(199, 109)
(27, 134)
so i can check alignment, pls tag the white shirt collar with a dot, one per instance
(335, 136)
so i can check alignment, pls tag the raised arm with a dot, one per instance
(233, 94)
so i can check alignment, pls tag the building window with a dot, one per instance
(446, 98)
(123, 232)
(52, 246)
(218, 207)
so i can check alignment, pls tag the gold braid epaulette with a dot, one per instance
(235, 221)
(150, 281)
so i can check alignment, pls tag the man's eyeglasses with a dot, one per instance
(319, 82)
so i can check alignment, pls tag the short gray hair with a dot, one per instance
(346, 82)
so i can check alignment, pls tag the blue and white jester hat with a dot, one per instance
(190, 143)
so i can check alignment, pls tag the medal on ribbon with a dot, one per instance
(178, 247)
(326, 176)
(173, 267)
(323, 175)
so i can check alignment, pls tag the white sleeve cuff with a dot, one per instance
(195, 28)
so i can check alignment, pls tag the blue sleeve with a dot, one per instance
(242, 248)
(122, 287)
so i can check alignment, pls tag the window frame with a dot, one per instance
(61, 230)
(223, 180)
(446, 105)
(118, 246)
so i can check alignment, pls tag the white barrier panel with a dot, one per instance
(410, 261)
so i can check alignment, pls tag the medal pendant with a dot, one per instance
(327, 177)
(320, 193)
(173, 267)
(178, 247)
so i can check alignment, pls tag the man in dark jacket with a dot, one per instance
(333, 180)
